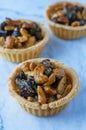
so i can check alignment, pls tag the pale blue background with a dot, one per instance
(72, 53)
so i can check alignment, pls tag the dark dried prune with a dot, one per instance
(72, 16)
(9, 33)
(3, 33)
(24, 93)
(48, 67)
(31, 82)
(47, 63)
(58, 78)
(81, 9)
(38, 29)
(2, 25)
(21, 83)
(31, 31)
(48, 71)
(38, 36)
(24, 87)
(16, 32)
(21, 75)
(75, 8)
(82, 22)
(66, 10)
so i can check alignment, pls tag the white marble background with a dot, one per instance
(72, 53)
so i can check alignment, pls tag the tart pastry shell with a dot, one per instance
(50, 108)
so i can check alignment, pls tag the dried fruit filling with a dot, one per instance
(42, 82)
(67, 13)
(19, 33)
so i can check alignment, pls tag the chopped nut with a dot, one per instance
(10, 41)
(63, 20)
(51, 79)
(68, 4)
(41, 95)
(79, 15)
(61, 86)
(27, 25)
(59, 7)
(40, 78)
(26, 66)
(32, 66)
(31, 41)
(59, 96)
(2, 41)
(49, 91)
(67, 90)
(60, 13)
(75, 24)
(59, 72)
(12, 22)
(30, 99)
(22, 39)
(24, 32)
(9, 28)
(84, 13)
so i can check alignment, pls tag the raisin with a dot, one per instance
(31, 82)
(31, 31)
(2, 25)
(38, 36)
(58, 78)
(47, 63)
(81, 9)
(48, 71)
(72, 16)
(82, 22)
(25, 88)
(3, 33)
(21, 75)
(66, 10)
(9, 33)
(76, 8)
(38, 29)
(16, 32)
(24, 93)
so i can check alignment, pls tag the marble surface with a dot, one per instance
(72, 53)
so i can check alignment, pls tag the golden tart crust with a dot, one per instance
(49, 108)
